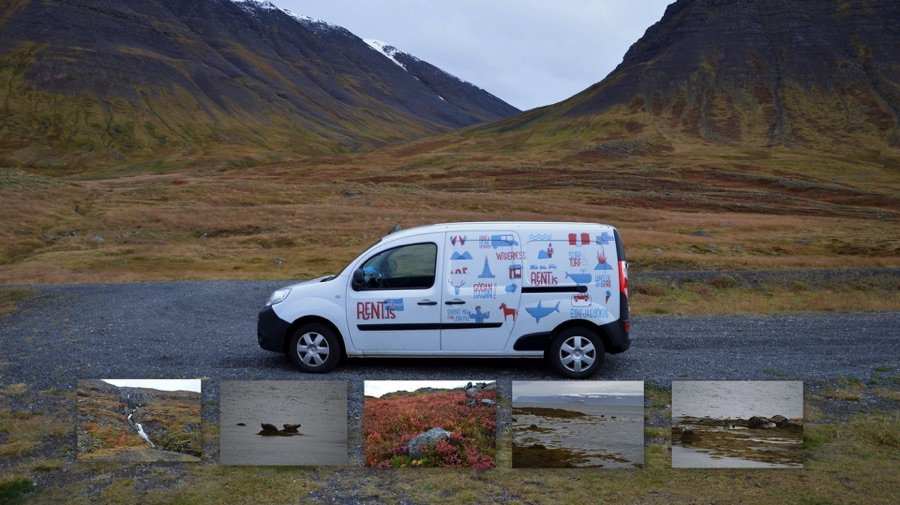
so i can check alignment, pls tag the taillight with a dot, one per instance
(623, 277)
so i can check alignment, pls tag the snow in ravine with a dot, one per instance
(253, 6)
(385, 49)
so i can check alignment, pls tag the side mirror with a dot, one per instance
(358, 281)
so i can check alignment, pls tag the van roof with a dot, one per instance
(495, 226)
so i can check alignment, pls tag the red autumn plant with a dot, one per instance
(391, 422)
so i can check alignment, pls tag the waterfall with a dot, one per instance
(140, 430)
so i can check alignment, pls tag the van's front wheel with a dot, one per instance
(315, 348)
(576, 352)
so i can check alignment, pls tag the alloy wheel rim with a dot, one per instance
(577, 354)
(312, 348)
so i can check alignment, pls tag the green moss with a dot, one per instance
(119, 491)
(547, 412)
(538, 456)
(15, 489)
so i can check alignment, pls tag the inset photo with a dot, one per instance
(283, 423)
(578, 424)
(448, 424)
(737, 424)
(139, 420)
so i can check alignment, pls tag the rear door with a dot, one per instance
(397, 309)
(481, 288)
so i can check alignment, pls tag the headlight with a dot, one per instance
(278, 296)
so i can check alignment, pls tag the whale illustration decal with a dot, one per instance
(540, 311)
(579, 278)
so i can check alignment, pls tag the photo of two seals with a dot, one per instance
(269, 430)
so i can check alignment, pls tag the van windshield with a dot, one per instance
(346, 269)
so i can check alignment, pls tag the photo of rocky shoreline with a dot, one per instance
(139, 421)
(719, 424)
(578, 425)
(283, 423)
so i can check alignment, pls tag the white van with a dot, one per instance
(505, 289)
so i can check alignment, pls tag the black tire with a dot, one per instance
(315, 348)
(576, 352)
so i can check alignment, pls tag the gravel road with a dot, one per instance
(208, 329)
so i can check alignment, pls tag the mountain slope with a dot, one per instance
(449, 88)
(113, 80)
(760, 73)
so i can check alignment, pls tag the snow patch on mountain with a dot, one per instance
(252, 7)
(387, 50)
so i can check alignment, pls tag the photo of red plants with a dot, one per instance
(447, 424)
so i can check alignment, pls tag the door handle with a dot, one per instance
(427, 302)
(455, 301)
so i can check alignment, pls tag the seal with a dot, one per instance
(290, 428)
(688, 436)
(268, 430)
(757, 422)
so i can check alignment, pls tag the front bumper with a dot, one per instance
(271, 330)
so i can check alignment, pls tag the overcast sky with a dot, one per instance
(527, 52)
(550, 388)
(378, 388)
(158, 384)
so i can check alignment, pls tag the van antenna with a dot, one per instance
(397, 226)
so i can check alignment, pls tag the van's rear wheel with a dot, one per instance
(315, 348)
(576, 352)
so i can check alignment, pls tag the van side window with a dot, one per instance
(404, 267)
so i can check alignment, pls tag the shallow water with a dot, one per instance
(319, 406)
(685, 457)
(622, 437)
(737, 399)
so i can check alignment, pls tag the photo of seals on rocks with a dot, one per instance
(753, 423)
(737, 424)
(774, 441)
(288, 430)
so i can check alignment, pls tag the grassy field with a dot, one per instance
(852, 448)
(679, 206)
(685, 207)
(9, 297)
(728, 294)
(704, 208)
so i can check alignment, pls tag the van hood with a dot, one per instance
(317, 280)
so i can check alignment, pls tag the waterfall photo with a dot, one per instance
(139, 421)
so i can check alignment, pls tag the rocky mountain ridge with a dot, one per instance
(765, 73)
(112, 81)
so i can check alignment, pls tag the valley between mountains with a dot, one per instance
(166, 164)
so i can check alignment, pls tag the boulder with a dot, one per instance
(783, 422)
(757, 422)
(688, 436)
(422, 440)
